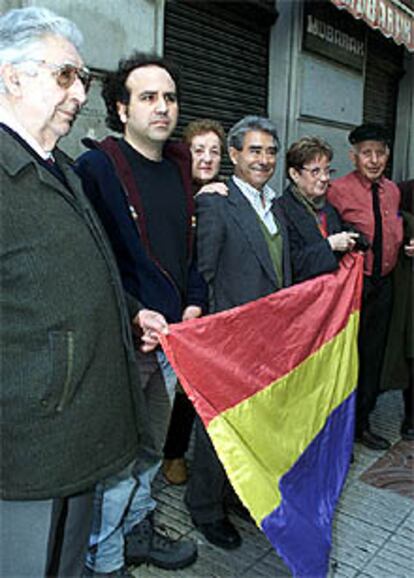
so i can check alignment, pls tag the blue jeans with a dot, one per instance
(123, 501)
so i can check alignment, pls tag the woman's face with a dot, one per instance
(206, 154)
(312, 180)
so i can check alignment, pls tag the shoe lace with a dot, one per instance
(161, 538)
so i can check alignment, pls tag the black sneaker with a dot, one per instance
(121, 573)
(145, 544)
(372, 441)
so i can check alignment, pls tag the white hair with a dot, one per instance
(355, 148)
(22, 31)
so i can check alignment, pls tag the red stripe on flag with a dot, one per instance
(232, 355)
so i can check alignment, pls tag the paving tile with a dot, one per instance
(384, 566)
(401, 549)
(342, 570)
(378, 507)
(355, 542)
(406, 529)
(269, 566)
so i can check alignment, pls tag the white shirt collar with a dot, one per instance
(254, 194)
(10, 121)
(254, 197)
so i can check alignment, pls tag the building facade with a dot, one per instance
(314, 67)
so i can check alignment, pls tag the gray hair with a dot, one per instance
(235, 137)
(22, 31)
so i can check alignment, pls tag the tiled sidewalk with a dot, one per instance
(373, 531)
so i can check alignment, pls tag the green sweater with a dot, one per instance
(275, 246)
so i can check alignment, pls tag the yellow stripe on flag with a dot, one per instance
(254, 453)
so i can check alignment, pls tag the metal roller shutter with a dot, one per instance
(383, 71)
(222, 49)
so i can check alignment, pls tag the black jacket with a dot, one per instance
(106, 178)
(311, 253)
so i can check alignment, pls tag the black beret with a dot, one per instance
(369, 131)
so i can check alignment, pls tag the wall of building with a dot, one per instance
(308, 94)
(111, 30)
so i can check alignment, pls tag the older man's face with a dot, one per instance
(255, 163)
(370, 158)
(46, 109)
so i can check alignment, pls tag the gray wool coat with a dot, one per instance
(71, 405)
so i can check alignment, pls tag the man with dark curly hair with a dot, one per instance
(141, 187)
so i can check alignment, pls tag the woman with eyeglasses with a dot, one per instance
(316, 235)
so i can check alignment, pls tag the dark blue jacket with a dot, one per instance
(106, 176)
(310, 252)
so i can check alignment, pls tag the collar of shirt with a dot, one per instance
(254, 197)
(366, 183)
(7, 119)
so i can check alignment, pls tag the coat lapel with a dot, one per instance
(247, 220)
(15, 157)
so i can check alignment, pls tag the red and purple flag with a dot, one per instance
(274, 384)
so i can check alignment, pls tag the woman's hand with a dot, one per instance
(217, 187)
(342, 241)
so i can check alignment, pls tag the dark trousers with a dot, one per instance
(181, 424)
(374, 323)
(45, 537)
(408, 395)
(208, 485)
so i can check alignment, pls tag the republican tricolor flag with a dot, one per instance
(274, 384)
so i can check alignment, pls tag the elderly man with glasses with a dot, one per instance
(71, 411)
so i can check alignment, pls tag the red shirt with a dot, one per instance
(351, 196)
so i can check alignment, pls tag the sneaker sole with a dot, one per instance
(160, 564)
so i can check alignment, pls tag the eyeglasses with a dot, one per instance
(317, 172)
(66, 74)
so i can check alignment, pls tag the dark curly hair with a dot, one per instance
(114, 88)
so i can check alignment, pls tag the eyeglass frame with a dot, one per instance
(81, 72)
(317, 172)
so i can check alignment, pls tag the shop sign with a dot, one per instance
(333, 35)
(392, 17)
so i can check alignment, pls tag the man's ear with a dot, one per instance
(122, 109)
(234, 155)
(352, 155)
(11, 79)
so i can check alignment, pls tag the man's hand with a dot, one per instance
(217, 187)
(409, 249)
(192, 312)
(152, 325)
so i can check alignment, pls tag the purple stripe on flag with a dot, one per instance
(300, 529)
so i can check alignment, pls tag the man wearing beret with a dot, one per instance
(369, 201)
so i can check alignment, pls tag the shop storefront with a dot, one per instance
(222, 49)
